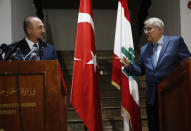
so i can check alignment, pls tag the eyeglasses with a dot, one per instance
(148, 29)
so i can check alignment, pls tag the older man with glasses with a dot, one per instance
(158, 58)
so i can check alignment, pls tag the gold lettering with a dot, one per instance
(2, 92)
(7, 112)
(32, 104)
(16, 105)
(12, 91)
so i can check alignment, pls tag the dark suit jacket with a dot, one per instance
(49, 52)
(172, 52)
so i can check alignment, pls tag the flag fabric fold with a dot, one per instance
(85, 93)
(123, 47)
(62, 79)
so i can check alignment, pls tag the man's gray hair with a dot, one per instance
(156, 21)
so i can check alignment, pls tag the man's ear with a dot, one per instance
(161, 29)
(28, 30)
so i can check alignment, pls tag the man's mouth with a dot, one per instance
(147, 36)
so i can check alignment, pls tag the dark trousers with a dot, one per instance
(153, 117)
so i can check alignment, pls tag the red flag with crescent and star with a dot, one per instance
(85, 93)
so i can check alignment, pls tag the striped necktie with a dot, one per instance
(35, 45)
(38, 56)
(154, 56)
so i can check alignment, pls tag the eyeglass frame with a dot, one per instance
(148, 29)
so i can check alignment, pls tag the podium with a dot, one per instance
(31, 97)
(174, 95)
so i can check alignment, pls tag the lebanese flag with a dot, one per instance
(85, 92)
(123, 47)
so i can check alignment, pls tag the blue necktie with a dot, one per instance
(35, 45)
(154, 57)
(38, 57)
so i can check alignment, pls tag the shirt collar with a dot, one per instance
(30, 43)
(161, 40)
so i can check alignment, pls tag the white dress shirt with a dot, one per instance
(160, 42)
(30, 43)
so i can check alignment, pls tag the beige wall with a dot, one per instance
(169, 12)
(19, 10)
(12, 13)
(176, 16)
(63, 24)
(5, 21)
(185, 22)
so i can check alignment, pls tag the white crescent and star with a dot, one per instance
(93, 61)
(77, 59)
(85, 17)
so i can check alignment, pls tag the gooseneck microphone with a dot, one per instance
(15, 55)
(32, 54)
(42, 44)
(11, 51)
(4, 48)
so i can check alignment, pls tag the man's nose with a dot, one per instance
(43, 30)
(146, 32)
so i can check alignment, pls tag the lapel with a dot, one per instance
(148, 56)
(24, 47)
(163, 49)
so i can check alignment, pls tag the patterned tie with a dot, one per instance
(154, 57)
(35, 45)
(38, 57)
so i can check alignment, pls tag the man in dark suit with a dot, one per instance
(34, 29)
(158, 58)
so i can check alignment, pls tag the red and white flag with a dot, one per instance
(123, 47)
(85, 93)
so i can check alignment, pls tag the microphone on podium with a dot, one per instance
(42, 44)
(16, 55)
(32, 55)
(11, 51)
(4, 48)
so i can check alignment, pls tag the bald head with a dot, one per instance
(34, 28)
(28, 22)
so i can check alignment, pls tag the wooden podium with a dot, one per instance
(175, 99)
(31, 97)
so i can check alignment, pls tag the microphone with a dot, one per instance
(17, 55)
(33, 56)
(11, 51)
(1, 51)
(4, 48)
(41, 42)
(28, 56)
(41, 46)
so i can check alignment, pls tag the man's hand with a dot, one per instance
(123, 61)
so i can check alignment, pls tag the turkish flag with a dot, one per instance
(85, 93)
